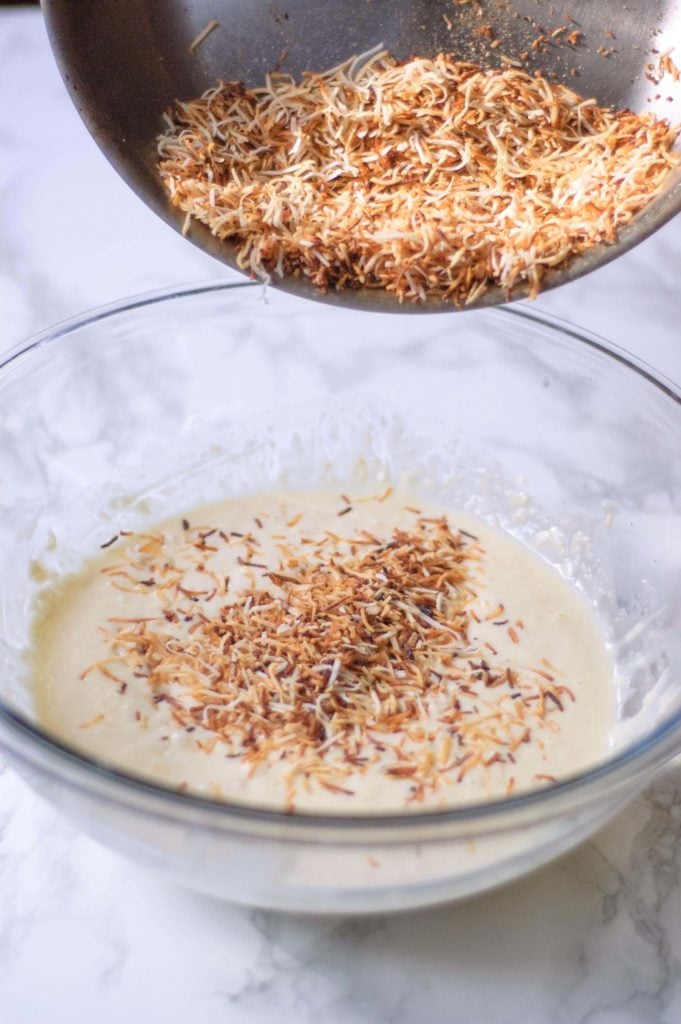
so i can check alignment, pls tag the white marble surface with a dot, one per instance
(85, 936)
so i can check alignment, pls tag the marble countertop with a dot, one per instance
(595, 937)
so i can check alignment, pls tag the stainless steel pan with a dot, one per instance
(125, 61)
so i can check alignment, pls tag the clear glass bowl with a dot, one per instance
(155, 404)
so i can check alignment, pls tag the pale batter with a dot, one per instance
(531, 622)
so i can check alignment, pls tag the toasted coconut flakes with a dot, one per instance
(428, 178)
(95, 720)
(344, 657)
(203, 35)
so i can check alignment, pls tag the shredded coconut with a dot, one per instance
(425, 178)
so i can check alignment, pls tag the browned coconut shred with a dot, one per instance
(346, 654)
(425, 178)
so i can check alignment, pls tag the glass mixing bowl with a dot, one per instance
(150, 406)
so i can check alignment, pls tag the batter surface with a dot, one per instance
(317, 651)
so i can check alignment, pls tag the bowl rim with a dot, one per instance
(35, 743)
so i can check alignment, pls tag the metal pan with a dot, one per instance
(126, 61)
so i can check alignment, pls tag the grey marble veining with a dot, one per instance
(593, 939)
